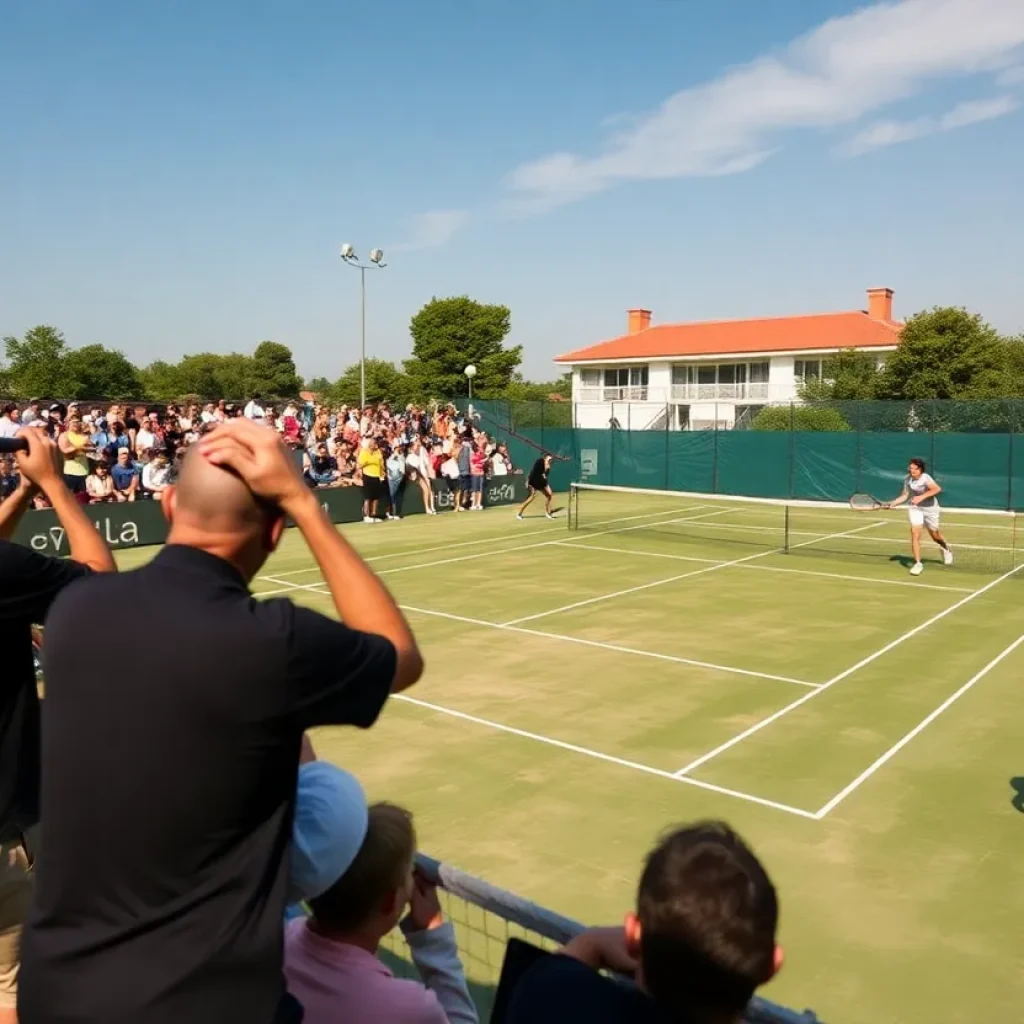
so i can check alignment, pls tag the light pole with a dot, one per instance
(348, 254)
(470, 372)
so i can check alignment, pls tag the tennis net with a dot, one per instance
(720, 527)
(486, 917)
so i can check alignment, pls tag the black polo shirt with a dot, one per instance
(28, 584)
(560, 990)
(170, 756)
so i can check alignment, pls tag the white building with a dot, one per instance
(697, 375)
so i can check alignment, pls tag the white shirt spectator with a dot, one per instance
(10, 424)
(450, 468)
(253, 410)
(144, 440)
(499, 467)
(154, 476)
(209, 414)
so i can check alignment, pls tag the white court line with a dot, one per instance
(499, 551)
(774, 568)
(681, 576)
(611, 759)
(491, 540)
(758, 726)
(610, 647)
(920, 727)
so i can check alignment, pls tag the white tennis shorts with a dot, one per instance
(924, 516)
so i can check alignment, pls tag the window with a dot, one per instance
(807, 369)
(759, 373)
(680, 375)
(638, 376)
(706, 374)
(590, 378)
(616, 378)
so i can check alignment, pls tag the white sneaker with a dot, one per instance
(369, 519)
(947, 556)
(519, 515)
(916, 569)
(549, 515)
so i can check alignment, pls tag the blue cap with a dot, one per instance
(330, 825)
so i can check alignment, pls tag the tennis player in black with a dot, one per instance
(31, 582)
(169, 777)
(537, 483)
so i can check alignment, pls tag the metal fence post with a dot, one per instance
(714, 460)
(666, 444)
(792, 448)
(1009, 467)
(859, 427)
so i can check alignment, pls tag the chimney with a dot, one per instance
(880, 303)
(640, 320)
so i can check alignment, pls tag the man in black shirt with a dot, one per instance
(31, 581)
(701, 941)
(160, 891)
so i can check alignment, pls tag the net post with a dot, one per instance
(859, 427)
(1009, 460)
(785, 539)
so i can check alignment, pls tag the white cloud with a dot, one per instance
(433, 228)
(888, 133)
(1011, 76)
(843, 70)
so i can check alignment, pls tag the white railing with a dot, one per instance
(751, 391)
(637, 393)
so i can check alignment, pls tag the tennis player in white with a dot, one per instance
(921, 491)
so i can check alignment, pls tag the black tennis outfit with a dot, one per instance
(538, 478)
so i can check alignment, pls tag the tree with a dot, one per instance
(450, 334)
(272, 371)
(160, 381)
(848, 376)
(945, 352)
(98, 372)
(319, 386)
(799, 418)
(36, 363)
(385, 382)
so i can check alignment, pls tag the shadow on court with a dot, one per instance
(1017, 785)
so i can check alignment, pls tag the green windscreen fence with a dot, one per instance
(972, 448)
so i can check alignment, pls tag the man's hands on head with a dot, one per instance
(42, 465)
(255, 453)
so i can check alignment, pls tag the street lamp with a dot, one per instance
(348, 254)
(470, 372)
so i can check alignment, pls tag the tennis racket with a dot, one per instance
(866, 503)
(12, 444)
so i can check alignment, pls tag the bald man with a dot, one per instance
(169, 781)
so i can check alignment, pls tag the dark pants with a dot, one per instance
(289, 1010)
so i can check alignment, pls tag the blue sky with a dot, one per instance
(178, 177)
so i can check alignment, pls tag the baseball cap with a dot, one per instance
(330, 825)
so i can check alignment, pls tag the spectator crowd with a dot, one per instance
(116, 452)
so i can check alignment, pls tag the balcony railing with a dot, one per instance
(755, 391)
(638, 393)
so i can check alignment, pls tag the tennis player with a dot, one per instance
(921, 490)
(537, 483)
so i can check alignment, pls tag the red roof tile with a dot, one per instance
(854, 329)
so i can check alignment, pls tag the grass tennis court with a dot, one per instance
(665, 661)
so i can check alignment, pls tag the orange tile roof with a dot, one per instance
(854, 329)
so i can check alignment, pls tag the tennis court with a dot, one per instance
(647, 658)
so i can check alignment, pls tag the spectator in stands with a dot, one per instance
(156, 474)
(331, 963)
(125, 476)
(348, 469)
(145, 439)
(100, 437)
(420, 469)
(10, 421)
(178, 918)
(10, 479)
(701, 941)
(465, 458)
(32, 414)
(55, 419)
(450, 474)
(395, 467)
(118, 440)
(99, 484)
(322, 470)
(371, 465)
(478, 475)
(76, 448)
(31, 583)
(254, 409)
(501, 464)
